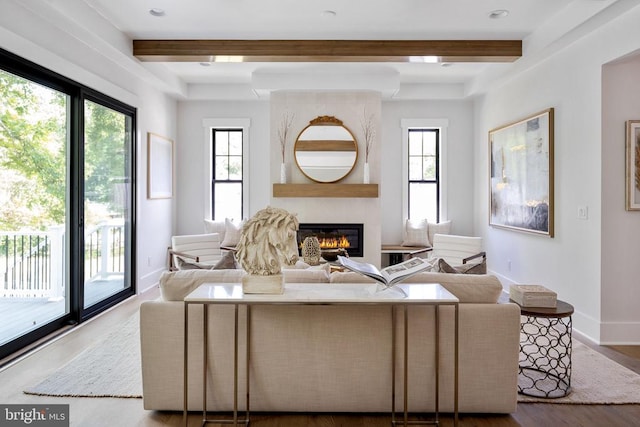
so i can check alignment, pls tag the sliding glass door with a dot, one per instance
(34, 189)
(66, 202)
(107, 142)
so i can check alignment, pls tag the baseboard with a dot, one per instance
(602, 333)
(148, 281)
(620, 333)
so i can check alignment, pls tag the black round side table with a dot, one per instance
(545, 351)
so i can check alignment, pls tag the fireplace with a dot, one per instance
(331, 236)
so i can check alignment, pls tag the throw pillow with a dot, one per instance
(443, 227)
(416, 233)
(211, 226)
(227, 262)
(232, 233)
(471, 268)
(184, 264)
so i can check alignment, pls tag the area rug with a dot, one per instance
(111, 368)
(596, 379)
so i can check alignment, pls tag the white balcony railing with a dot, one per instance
(32, 264)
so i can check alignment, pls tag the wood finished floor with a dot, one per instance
(129, 412)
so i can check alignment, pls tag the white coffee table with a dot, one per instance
(325, 294)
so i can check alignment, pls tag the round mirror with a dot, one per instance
(325, 151)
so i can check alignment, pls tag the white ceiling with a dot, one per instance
(541, 24)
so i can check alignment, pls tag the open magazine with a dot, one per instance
(388, 276)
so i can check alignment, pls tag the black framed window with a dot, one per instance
(424, 174)
(227, 174)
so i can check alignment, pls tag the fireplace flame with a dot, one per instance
(334, 242)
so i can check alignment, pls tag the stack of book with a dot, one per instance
(532, 296)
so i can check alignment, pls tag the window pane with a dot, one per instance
(107, 141)
(221, 141)
(235, 167)
(415, 143)
(429, 143)
(429, 164)
(34, 124)
(415, 168)
(423, 201)
(222, 168)
(235, 143)
(227, 200)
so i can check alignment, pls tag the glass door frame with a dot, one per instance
(75, 312)
(77, 231)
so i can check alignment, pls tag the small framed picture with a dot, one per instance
(633, 166)
(159, 167)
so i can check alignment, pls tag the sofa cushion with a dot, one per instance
(175, 285)
(314, 274)
(469, 288)
(470, 268)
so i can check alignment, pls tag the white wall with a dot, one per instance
(191, 159)
(54, 45)
(265, 116)
(458, 170)
(570, 263)
(620, 228)
(349, 107)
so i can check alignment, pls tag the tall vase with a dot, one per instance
(283, 173)
(366, 173)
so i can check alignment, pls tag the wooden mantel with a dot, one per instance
(325, 190)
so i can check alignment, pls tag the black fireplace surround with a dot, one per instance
(331, 235)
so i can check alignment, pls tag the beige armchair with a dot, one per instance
(194, 251)
(458, 251)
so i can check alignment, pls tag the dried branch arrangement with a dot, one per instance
(367, 123)
(283, 131)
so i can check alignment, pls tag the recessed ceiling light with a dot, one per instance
(499, 13)
(329, 13)
(156, 12)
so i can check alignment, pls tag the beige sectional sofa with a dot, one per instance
(337, 358)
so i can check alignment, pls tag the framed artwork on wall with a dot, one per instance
(633, 166)
(159, 167)
(521, 169)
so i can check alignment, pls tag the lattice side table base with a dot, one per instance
(545, 357)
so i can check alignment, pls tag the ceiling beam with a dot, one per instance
(327, 50)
